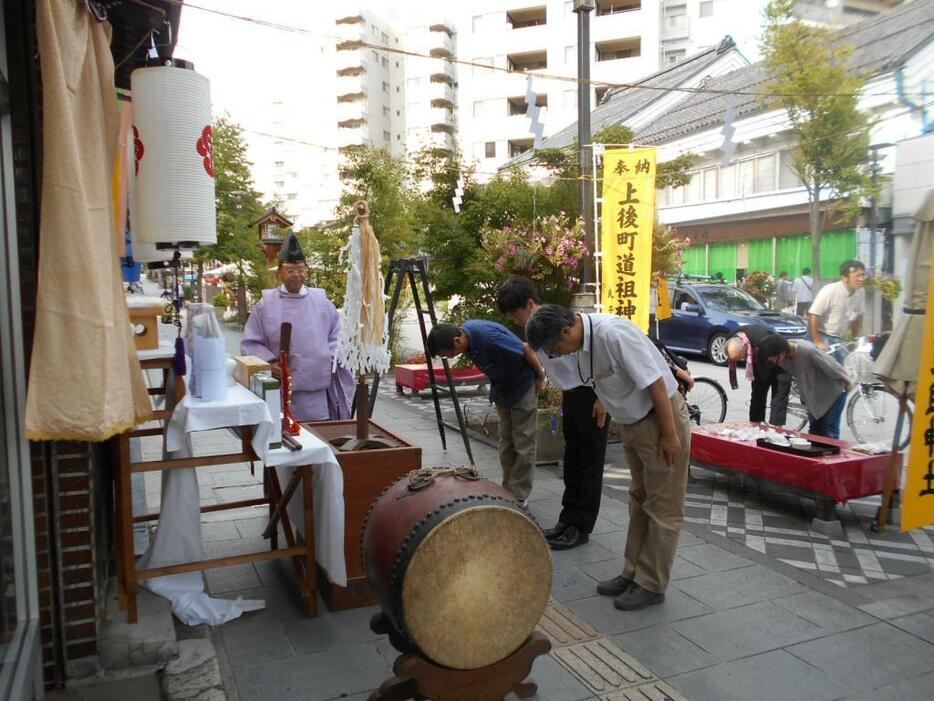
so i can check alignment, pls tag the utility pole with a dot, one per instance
(585, 299)
(874, 169)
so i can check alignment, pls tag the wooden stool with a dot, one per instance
(418, 678)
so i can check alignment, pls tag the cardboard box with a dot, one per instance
(247, 365)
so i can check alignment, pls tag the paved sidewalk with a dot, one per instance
(737, 623)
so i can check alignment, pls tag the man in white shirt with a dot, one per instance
(584, 425)
(633, 380)
(803, 289)
(839, 307)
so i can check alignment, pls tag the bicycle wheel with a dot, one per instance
(706, 401)
(872, 412)
(797, 415)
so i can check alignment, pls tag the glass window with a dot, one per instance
(489, 149)
(476, 23)
(729, 298)
(661, 197)
(413, 82)
(706, 8)
(385, 62)
(692, 192)
(385, 111)
(787, 176)
(570, 99)
(385, 86)
(765, 173)
(710, 184)
(570, 54)
(728, 187)
(747, 174)
(677, 195)
(386, 135)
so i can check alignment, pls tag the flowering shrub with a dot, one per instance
(667, 252)
(550, 401)
(890, 287)
(760, 285)
(549, 253)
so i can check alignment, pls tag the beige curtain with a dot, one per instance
(85, 382)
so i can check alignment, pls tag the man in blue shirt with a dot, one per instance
(516, 378)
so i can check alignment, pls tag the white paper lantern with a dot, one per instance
(172, 135)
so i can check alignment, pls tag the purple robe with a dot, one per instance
(318, 394)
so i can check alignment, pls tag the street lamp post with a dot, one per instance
(583, 8)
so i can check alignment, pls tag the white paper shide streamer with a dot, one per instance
(355, 350)
(174, 166)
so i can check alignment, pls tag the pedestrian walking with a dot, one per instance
(803, 289)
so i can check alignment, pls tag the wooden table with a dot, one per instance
(416, 377)
(302, 553)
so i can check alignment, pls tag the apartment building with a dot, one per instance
(430, 87)
(630, 39)
(836, 13)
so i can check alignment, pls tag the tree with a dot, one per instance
(810, 76)
(238, 204)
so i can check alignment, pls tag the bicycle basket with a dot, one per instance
(858, 366)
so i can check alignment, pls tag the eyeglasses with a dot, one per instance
(550, 353)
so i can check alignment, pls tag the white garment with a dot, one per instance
(803, 288)
(624, 362)
(563, 371)
(837, 308)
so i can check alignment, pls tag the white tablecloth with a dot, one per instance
(178, 538)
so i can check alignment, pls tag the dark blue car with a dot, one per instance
(704, 315)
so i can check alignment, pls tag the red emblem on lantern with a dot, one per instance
(138, 148)
(206, 149)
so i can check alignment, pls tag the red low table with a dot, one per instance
(829, 479)
(415, 377)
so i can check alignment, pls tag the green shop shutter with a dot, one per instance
(793, 253)
(723, 260)
(836, 247)
(760, 256)
(694, 261)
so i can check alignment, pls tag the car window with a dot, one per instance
(730, 299)
(681, 298)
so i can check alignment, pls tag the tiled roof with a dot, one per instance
(619, 104)
(880, 44)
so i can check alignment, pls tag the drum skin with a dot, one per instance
(458, 567)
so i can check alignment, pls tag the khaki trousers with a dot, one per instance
(656, 498)
(517, 429)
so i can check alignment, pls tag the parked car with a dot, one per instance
(704, 315)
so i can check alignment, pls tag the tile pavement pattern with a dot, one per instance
(767, 520)
(738, 623)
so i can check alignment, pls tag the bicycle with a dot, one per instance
(871, 408)
(706, 401)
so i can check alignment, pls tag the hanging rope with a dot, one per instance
(421, 478)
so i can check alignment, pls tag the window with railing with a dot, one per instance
(528, 17)
(618, 48)
(612, 7)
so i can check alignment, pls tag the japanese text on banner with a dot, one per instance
(918, 494)
(626, 235)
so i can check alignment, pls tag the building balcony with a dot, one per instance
(516, 147)
(350, 59)
(351, 44)
(351, 19)
(441, 91)
(349, 85)
(613, 7)
(518, 105)
(352, 137)
(352, 123)
(443, 28)
(530, 61)
(351, 110)
(446, 76)
(442, 103)
(528, 17)
(614, 49)
(441, 115)
(442, 127)
(441, 52)
(351, 71)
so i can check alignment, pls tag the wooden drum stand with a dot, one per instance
(418, 678)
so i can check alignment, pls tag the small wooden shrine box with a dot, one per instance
(366, 474)
(144, 321)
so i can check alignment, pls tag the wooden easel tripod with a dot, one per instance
(414, 270)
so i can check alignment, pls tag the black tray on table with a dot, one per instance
(815, 450)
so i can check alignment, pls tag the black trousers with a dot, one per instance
(584, 453)
(779, 382)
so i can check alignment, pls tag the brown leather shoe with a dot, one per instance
(570, 538)
(613, 587)
(635, 597)
(555, 531)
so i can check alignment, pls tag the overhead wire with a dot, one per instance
(355, 43)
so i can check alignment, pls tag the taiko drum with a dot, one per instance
(458, 566)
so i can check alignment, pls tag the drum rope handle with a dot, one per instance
(423, 477)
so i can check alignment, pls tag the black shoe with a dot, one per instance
(570, 538)
(613, 587)
(635, 597)
(555, 530)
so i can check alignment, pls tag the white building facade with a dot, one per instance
(630, 39)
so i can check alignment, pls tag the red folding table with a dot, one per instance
(828, 479)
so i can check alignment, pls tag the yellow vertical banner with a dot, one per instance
(663, 308)
(628, 217)
(918, 494)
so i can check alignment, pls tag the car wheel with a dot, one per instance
(716, 349)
